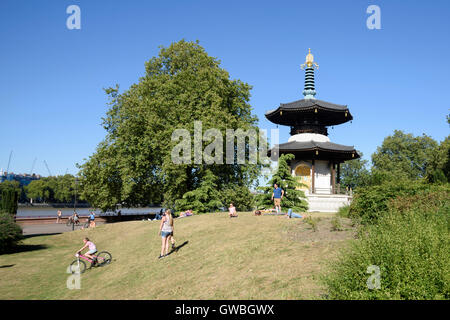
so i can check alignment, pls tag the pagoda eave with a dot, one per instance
(317, 150)
(309, 111)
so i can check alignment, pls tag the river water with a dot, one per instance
(34, 212)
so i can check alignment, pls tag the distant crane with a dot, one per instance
(32, 167)
(50, 174)
(66, 171)
(9, 161)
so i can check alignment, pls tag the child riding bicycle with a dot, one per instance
(92, 250)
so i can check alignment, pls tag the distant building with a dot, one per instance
(23, 179)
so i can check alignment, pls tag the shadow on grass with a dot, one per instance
(27, 236)
(7, 266)
(178, 247)
(24, 248)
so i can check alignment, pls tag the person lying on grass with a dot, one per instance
(291, 214)
(92, 250)
(269, 211)
(187, 213)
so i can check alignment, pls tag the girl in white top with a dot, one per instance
(166, 232)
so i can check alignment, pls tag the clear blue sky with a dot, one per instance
(51, 78)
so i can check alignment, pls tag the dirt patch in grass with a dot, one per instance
(324, 230)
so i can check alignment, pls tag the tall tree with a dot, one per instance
(404, 156)
(354, 173)
(438, 169)
(9, 201)
(293, 198)
(206, 198)
(133, 165)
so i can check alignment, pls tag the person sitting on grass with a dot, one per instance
(158, 216)
(232, 211)
(92, 250)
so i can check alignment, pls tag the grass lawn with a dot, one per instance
(249, 257)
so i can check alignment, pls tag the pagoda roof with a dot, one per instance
(309, 110)
(318, 150)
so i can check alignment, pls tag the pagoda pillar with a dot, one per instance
(333, 178)
(313, 176)
(339, 177)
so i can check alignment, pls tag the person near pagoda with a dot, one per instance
(277, 196)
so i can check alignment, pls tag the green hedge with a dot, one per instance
(9, 201)
(10, 232)
(410, 244)
(370, 203)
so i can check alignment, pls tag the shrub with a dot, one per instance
(9, 200)
(410, 245)
(10, 232)
(336, 224)
(371, 202)
(312, 222)
(344, 212)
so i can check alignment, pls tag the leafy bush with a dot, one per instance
(240, 196)
(344, 212)
(370, 203)
(410, 244)
(10, 232)
(206, 198)
(9, 200)
(312, 222)
(336, 224)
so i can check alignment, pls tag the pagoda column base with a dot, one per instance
(327, 203)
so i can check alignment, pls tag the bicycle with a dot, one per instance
(79, 266)
(70, 221)
(87, 224)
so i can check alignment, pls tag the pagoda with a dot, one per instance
(317, 159)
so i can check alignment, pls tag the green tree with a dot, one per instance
(293, 199)
(206, 198)
(40, 190)
(240, 196)
(438, 169)
(404, 156)
(9, 201)
(354, 173)
(133, 164)
(10, 232)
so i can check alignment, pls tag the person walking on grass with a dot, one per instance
(277, 196)
(166, 232)
(92, 220)
(58, 216)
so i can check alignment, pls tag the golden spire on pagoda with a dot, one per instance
(309, 63)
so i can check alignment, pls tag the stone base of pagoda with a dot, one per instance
(327, 202)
